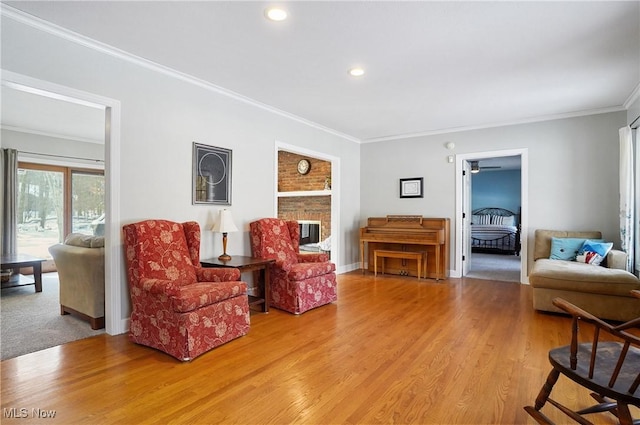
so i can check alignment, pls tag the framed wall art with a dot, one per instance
(411, 188)
(211, 175)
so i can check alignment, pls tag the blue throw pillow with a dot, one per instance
(567, 249)
(594, 252)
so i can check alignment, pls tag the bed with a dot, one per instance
(495, 230)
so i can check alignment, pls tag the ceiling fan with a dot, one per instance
(475, 167)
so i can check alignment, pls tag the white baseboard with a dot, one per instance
(123, 327)
(348, 268)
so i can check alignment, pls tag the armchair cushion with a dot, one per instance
(196, 295)
(217, 275)
(313, 258)
(301, 271)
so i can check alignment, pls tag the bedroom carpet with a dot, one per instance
(31, 321)
(495, 267)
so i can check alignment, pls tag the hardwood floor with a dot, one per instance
(391, 350)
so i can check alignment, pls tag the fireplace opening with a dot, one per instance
(309, 235)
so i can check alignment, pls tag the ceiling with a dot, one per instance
(430, 67)
(36, 114)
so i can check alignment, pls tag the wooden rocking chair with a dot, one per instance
(610, 368)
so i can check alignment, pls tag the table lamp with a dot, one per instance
(224, 225)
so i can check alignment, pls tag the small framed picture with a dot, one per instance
(411, 188)
(211, 175)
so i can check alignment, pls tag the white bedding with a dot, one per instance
(489, 232)
(494, 237)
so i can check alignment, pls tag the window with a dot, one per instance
(40, 209)
(87, 203)
(54, 201)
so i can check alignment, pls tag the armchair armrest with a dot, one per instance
(617, 259)
(280, 264)
(219, 274)
(313, 258)
(159, 286)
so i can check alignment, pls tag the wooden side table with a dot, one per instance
(18, 261)
(248, 264)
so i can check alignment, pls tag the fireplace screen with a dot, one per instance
(309, 234)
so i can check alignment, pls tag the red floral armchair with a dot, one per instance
(299, 282)
(177, 306)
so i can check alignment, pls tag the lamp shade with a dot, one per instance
(225, 223)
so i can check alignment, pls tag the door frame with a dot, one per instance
(335, 192)
(466, 216)
(461, 159)
(114, 270)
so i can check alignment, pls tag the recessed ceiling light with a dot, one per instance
(356, 72)
(276, 14)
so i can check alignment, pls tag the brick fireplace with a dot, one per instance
(307, 208)
(314, 206)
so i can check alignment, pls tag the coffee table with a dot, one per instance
(247, 264)
(18, 261)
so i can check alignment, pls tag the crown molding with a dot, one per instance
(635, 94)
(68, 35)
(494, 125)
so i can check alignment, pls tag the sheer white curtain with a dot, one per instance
(627, 192)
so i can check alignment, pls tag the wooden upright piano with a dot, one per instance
(408, 233)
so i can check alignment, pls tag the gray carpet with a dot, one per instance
(495, 267)
(31, 321)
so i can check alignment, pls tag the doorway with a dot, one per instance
(491, 222)
(114, 323)
(325, 187)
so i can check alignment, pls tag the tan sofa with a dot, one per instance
(80, 264)
(604, 291)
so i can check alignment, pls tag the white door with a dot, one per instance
(466, 217)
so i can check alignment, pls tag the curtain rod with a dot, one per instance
(633, 122)
(62, 156)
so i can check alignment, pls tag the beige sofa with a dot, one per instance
(80, 264)
(604, 291)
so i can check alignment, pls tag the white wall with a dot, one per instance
(161, 117)
(26, 143)
(573, 173)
